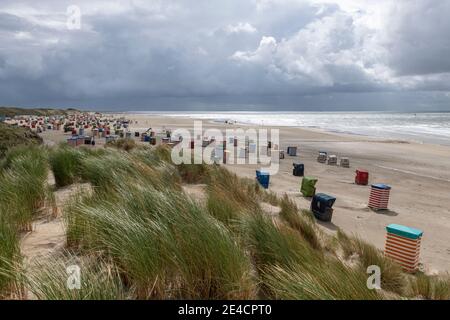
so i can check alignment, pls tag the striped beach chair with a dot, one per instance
(379, 196)
(403, 246)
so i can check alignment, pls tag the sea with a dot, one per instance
(425, 127)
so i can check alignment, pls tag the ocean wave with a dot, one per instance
(419, 127)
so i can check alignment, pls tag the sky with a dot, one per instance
(226, 54)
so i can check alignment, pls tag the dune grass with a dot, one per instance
(272, 244)
(65, 163)
(270, 197)
(123, 143)
(165, 244)
(49, 279)
(9, 256)
(230, 198)
(23, 191)
(392, 277)
(194, 173)
(299, 221)
(329, 281)
(11, 137)
(436, 287)
(153, 156)
(23, 188)
(290, 268)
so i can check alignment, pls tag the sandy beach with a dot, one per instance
(419, 175)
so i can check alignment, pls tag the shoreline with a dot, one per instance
(390, 134)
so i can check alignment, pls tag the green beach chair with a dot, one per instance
(308, 188)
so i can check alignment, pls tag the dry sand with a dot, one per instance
(419, 175)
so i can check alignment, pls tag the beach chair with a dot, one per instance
(299, 169)
(308, 188)
(362, 177)
(263, 178)
(379, 196)
(87, 140)
(403, 246)
(292, 151)
(281, 154)
(322, 157)
(110, 138)
(321, 206)
(344, 162)
(332, 160)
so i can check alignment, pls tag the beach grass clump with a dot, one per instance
(346, 243)
(23, 191)
(65, 163)
(128, 235)
(392, 276)
(153, 156)
(165, 245)
(80, 231)
(276, 244)
(194, 173)
(212, 263)
(270, 197)
(23, 185)
(329, 281)
(230, 198)
(244, 191)
(162, 153)
(103, 170)
(222, 208)
(9, 255)
(125, 144)
(11, 137)
(55, 278)
(21, 151)
(111, 168)
(435, 287)
(296, 220)
(290, 268)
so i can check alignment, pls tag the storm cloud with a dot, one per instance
(235, 54)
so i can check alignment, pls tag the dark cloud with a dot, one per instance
(419, 40)
(294, 54)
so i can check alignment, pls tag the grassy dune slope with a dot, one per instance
(11, 137)
(139, 236)
(16, 111)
